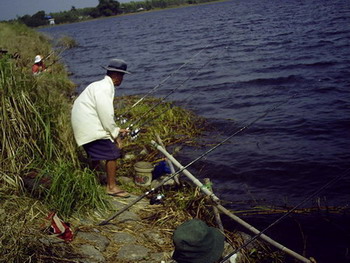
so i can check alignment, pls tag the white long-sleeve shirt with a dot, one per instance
(93, 113)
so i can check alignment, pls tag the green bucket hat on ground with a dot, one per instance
(195, 242)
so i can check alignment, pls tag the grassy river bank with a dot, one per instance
(42, 170)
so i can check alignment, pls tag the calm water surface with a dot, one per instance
(243, 57)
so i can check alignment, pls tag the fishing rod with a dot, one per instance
(58, 55)
(334, 180)
(49, 55)
(121, 117)
(161, 83)
(135, 132)
(167, 95)
(53, 51)
(195, 160)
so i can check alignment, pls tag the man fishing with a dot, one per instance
(94, 126)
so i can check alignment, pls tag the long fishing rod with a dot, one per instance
(195, 160)
(171, 92)
(58, 55)
(334, 180)
(121, 117)
(53, 51)
(135, 131)
(163, 81)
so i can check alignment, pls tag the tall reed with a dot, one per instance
(35, 125)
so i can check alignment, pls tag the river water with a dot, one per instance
(238, 59)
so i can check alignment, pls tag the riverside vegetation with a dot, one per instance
(37, 146)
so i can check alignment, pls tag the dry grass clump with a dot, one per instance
(67, 42)
(27, 43)
(154, 116)
(37, 144)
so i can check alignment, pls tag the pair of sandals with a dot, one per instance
(121, 194)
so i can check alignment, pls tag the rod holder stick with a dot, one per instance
(171, 166)
(227, 212)
(215, 209)
(186, 172)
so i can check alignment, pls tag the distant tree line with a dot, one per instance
(103, 9)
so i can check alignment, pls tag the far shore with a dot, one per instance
(137, 13)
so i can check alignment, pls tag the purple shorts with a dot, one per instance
(102, 150)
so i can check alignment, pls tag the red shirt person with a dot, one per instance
(38, 66)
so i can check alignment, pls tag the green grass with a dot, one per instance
(73, 189)
(36, 131)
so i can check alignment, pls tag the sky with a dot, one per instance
(9, 9)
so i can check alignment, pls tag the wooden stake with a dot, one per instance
(208, 183)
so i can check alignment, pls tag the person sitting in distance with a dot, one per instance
(38, 66)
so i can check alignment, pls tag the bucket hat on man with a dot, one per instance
(117, 65)
(195, 242)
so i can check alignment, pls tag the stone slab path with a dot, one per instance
(126, 239)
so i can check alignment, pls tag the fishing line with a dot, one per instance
(121, 117)
(195, 73)
(134, 132)
(198, 158)
(334, 180)
(163, 81)
(58, 55)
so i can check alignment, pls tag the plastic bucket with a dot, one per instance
(143, 173)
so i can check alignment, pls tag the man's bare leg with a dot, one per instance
(112, 188)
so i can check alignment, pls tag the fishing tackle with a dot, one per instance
(157, 199)
(195, 160)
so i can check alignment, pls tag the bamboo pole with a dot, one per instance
(227, 212)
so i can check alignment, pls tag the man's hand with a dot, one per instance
(122, 134)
